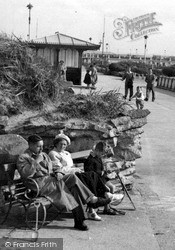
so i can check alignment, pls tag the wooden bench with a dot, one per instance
(15, 193)
(80, 157)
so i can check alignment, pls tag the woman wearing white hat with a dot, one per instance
(63, 164)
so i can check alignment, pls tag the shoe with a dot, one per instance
(81, 226)
(129, 99)
(110, 211)
(100, 202)
(93, 216)
(153, 100)
(116, 199)
(146, 99)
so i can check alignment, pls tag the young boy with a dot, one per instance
(139, 97)
(95, 163)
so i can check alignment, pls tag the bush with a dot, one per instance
(157, 72)
(138, 68)
(25, 79)
(95, 107)
(168, 71)
(140, 71)
(117, 67)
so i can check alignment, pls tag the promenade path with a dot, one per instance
(152, 225)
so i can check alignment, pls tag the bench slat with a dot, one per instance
(81, 154)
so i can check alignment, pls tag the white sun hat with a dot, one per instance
(63, 136)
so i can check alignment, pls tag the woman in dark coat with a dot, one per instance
(94, 163)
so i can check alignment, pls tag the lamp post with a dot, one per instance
(103, 39)
(130, 54)
(29, 6)
(107, 44)
(145, 47)
(165, 53)
(90, 39)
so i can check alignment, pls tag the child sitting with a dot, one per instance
(139, 97)
(94, 162)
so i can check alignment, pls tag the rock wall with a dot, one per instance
(122, 133)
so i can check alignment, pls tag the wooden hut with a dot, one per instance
(59, 47)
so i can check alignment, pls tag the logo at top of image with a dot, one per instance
(135, 28)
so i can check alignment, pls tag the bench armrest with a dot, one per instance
(32, 188)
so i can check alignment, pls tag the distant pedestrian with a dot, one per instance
(93, 73)
(87, 78)
(62, 70)
(129, 78)
(139, 98)
(150, 80)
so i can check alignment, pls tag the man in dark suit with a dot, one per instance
(129, 78)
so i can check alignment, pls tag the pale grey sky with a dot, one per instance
(85, 18)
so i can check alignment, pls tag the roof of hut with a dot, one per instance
(62, 40)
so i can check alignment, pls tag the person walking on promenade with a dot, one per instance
(87, 78)
(67, 193)
(150, 79)
(62, 70)
(94, 77)
(129, 78)
(139, 98)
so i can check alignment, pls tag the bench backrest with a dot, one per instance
(7, 172)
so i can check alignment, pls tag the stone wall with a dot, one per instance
(122, 133)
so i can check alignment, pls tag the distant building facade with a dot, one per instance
(154, 60)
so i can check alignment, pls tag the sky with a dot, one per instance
(86, 19)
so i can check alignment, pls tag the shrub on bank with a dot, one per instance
(95, 106)
(118, 67)
(138, 68)
(169, 71)
(25, 80)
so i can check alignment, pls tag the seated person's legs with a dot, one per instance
(83, 196)
(111, 187)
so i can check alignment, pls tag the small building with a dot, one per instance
(59, 47)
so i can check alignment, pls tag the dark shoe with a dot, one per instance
(100, 202)
(129, 99)
(81, 226)
(153, 100)
(111, 211)
(146, 99)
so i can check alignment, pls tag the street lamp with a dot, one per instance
(145, 47)
(29, 6)
(107, 47)
(100, 43)
(136, 51)
(130, 54)
(165, 53)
